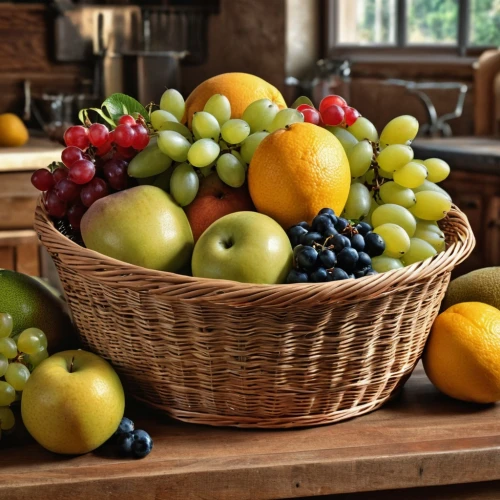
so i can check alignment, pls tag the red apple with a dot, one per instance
(214, 200)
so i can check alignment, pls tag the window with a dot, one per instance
(412, 24)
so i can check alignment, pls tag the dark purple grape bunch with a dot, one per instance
(331, 249)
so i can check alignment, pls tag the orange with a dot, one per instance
(240, 88)
(297, 171)
(462, 355)
(13, 132)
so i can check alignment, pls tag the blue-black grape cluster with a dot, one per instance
(132, 442)
(331, 249)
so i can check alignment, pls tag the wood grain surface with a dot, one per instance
(36, 153)
(420, 439)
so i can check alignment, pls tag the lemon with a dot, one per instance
(13, 132)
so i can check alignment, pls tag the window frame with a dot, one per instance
(401, 47)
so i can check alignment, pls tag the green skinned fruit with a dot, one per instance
(141, 226)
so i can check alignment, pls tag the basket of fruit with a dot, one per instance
(242, 263)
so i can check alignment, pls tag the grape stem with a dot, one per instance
(378, 180)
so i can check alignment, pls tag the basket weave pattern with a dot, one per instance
(225, 353)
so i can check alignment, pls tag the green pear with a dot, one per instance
(142, 226)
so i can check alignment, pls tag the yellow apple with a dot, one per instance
(73, 402)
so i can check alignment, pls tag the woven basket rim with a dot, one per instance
(92, 262)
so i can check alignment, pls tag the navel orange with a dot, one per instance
(462, 355)
(240, 88)
(297, 171)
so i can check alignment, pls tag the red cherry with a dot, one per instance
(333, 116)
(126, 120)
(331, 100)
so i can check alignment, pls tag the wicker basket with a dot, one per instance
(224, 353)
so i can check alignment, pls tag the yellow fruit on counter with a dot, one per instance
(295, 172)
(481, 285)
(13, 132)
(462, 355)
(240, 88)
(73, 402)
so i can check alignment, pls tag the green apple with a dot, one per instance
(142, 226)
(73, 402)
(243, 246)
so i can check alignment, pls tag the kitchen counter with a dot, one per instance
(36, 153)
(421, 439)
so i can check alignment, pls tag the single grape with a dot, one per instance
(93, 191)
(126, 426)
(173, 102)
(430, 205)
(115, 172)
(230, 170)
(412, 175)
(374, 245)
(4, 364)
(126, 120)
(124, 135)
(17, 375)
(179, 128)
(297, 276)
(330, 213)
(438, 169)
(358, 202)
(358, 242)
(331, 100)
(346, 139)
(339, 242)
(333, 115)
(294, 234)
(71, 154)
(397, 241)
(364, 261)
(41, 337)
(324, 224)
(142, 444)
(6, 325)
(383, 264)
(67, 190)
(363, 128)
(351, 115)
(311, 237)
(394, 157)
(347, 259)
(59, 174)
(81, 172)
(311, 115)
(363, 228)
(220, 107)
(124, 442)
(339, 274)
(35, 359)
(284, 118)
(304, 224)
(419, 250)
(184, 184)
(54, 206)
(260, 114)
(327, 258)
(396, 214)
(390, 192)
(341, 224)
(235, 131)
(141, 137)
(250, 144)
(7, 393)
(428, 225)
(8, 347)
(174, 145)
(98, 135)
(205, 126)
(319, 275)
(399, 130)
(360, 158)
(42, 179)
(159, 117)
(430, 186)
(104, 149)
(28, 341)
(436, 240)
(7, 418)
(306, 258)
(163, 180)
(75, 214)
(203, 152)
(77, 136)
(152, 160)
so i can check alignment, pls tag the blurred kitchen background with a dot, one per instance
(435, 59)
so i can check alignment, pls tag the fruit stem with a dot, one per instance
(71, 365)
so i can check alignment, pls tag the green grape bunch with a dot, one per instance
(393, 191)
(19, 356)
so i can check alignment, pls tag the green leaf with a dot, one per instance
(302, 100)
(118, 105)
(83, 116)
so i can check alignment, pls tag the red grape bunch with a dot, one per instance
(333, 112)
(93, 165)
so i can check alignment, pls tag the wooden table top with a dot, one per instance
(421, 438)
